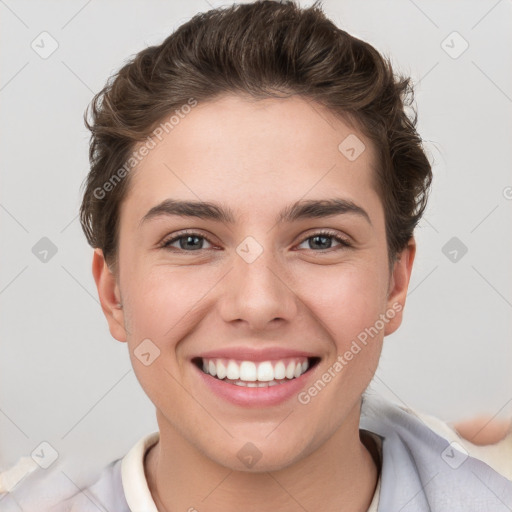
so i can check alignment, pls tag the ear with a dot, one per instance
(109, 295)
(398, 286)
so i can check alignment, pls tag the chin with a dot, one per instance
(258, 456)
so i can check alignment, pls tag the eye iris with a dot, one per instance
(326, 241)
(186, 239)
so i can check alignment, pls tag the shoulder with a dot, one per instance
(434, 469)
(31, 489)
(55, 491)
(497, 454)
(106, 493)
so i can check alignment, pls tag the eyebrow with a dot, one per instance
(305, 209)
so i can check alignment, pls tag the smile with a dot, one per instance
(275, 380)
(256, 374)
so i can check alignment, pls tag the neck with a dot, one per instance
(341, 471)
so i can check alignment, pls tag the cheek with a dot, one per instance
(162, 300)
(160, 308)
(346, 299)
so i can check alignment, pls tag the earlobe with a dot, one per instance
(398, 286)
(109, 295)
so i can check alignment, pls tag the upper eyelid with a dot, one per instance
(177, 236)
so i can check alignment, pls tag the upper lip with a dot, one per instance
(253, 354)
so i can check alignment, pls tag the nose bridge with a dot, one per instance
(257, 291)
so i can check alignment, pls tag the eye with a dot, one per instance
(323, 240)
(191, 241)
(187, 242)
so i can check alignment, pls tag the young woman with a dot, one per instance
(254, 188)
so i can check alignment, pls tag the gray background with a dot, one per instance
(64, 380)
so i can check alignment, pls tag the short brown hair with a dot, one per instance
(263, 49)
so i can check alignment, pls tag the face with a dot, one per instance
(280, 285)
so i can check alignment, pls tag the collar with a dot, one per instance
(135, 485)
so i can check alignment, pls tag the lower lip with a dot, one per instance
(255, 397)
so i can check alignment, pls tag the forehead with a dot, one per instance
(258, 150)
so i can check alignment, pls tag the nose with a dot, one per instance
(258, 294)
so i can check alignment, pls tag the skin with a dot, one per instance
(484, 430)
(255, 157)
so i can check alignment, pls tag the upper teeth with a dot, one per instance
(250, 371)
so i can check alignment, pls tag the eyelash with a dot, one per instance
(343, 241)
